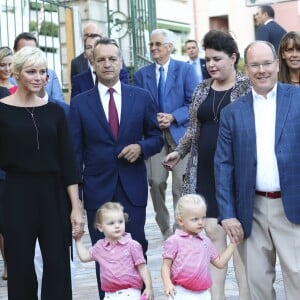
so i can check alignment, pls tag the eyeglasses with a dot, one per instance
(265, 65)
(156, 44)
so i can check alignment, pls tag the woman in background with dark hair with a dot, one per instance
(289, 58)
(211, 95)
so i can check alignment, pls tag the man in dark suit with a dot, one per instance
(80, 63)
(257, 171)
(86, 80)
(192, 50)
(268, 30)
(179, 80)
(111, 157)
(83, 63)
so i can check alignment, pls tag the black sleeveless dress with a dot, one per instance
(208, 115)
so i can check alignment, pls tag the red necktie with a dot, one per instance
(113, 118)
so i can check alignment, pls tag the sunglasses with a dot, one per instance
(156, 44)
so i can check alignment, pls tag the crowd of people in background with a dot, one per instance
(229, 137)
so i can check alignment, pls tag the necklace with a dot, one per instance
(35, 126)
(217, 109)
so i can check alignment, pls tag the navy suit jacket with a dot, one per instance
(236, 157)
(203, 69)
(79, 64)
(271, 32)
(97, 150)
(84, 81)
(180, 84)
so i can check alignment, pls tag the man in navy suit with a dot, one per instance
(112, 167)
(172, 114)
(192, 50)
(268, 29)
(86, 80)
(257, 171)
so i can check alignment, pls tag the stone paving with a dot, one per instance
(85, 281)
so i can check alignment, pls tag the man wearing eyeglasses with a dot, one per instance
(257, 173)
(171, 84)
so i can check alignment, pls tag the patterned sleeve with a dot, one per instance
(94, 250)
(137, 253)
(193, 129)
(212, 250)
(170, 248)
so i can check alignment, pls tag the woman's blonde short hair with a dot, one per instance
(185, 201)
(28, 56)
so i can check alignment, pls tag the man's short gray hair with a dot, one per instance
(169, 36)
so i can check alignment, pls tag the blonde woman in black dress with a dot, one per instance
(210, 96)
(41, 194)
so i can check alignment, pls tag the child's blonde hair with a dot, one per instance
(108, 207)
(187, 200)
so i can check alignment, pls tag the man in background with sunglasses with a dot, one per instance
(86, 80)
(171, 84)
(80, 63)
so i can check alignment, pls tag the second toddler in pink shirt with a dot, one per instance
(188, 254)
(121, 260)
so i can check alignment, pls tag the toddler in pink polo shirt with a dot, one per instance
(188, 254)
(122, 264)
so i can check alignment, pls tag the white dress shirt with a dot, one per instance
(104, 97)
(267, 177)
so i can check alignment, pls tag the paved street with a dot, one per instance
(85, 281)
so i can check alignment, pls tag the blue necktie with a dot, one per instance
(161, 88)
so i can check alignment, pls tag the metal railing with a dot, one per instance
(44, 18)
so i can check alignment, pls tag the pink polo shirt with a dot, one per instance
(191, 256)
(118, 263)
